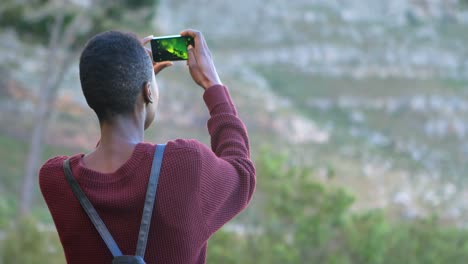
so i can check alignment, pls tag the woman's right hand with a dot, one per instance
(200, 62)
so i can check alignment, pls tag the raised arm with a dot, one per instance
(227, 174)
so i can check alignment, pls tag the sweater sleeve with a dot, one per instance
(227, 174)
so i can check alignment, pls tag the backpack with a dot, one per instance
(145, 219)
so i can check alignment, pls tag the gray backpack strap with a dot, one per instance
(150, 200)
(90, 211)
(145, 219)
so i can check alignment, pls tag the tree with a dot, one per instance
(63, 27)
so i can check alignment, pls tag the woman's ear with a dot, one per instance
(147, 95)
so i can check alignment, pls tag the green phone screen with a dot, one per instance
(170, 48)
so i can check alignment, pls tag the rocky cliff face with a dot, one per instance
(382, 84)
(415, 39)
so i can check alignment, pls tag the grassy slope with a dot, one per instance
(13, 154)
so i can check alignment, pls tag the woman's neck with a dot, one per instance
(120, 132)
(117, 143)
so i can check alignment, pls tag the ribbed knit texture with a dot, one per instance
(199, 190)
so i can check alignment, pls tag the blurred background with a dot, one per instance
(357, 112)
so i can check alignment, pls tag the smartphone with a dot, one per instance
(170, 48)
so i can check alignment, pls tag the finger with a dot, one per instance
(161, 66)
(199, 40)
(195, 34)
(150, 53)
(147, 39)
(192, 60)
(188, 33)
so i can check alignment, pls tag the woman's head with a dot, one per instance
(117, 77)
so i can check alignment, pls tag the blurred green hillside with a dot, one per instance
(375, 92)
(357, 113)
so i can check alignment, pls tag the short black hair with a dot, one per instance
(114, 66)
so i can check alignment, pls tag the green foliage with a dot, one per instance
(27, 243)
(13, 153)
(135, 4)
(7, 210)
(33, 21)
(425, 241)
(300, 220)
(463, 3)
(365, 237)
(220, 242)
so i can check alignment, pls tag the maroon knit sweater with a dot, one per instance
(199, 190)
